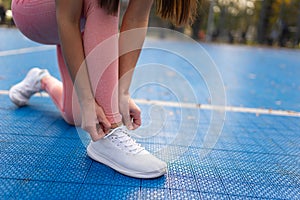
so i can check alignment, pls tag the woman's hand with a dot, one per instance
(135, 114)
(131, 113)
(94, 121)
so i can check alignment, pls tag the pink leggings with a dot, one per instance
(36, 19)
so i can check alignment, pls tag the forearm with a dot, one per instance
(133, 33)
(71, 42)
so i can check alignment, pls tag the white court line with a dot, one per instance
(257, 111)
(26, 50)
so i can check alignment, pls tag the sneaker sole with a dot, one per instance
(106, 161)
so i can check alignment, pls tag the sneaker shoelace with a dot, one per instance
(121, 138)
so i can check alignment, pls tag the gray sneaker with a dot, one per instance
(120, 152)
(21, 92)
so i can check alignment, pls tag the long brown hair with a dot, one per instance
(111, 6)
(179, 12)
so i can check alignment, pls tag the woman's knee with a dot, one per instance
(71, 119)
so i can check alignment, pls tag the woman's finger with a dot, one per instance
(105, 124)
(136, 119)
(127, 120)
(95, 132)
(135, 114)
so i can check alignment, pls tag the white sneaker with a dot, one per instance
(21, 92)
(120, 152)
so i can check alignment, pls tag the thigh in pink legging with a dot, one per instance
(36, 19)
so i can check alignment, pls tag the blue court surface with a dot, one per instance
(247, 148)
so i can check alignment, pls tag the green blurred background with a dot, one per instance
(251, 22)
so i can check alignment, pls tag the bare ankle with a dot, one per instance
(116, 125)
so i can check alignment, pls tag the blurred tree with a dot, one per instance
(277, 22)
(264, 20)
(234, 18)
(199, 23)
(297, 40)
(6, 3)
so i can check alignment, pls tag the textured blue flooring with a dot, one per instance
(255, 157)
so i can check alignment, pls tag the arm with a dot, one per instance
(68, 13)
(133, 33)
(68, 19)
(135, 17)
